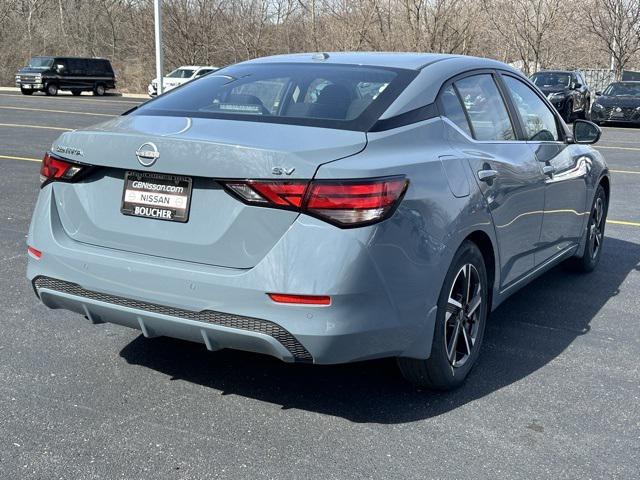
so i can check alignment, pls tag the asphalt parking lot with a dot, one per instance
(556, 393)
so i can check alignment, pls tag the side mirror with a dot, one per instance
(598, 93)
(586, 132)
(577, 85)
(59, 68)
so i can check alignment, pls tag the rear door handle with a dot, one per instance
(549, 170)
(487, 175)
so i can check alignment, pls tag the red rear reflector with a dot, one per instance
(300, 299)
(34, 253)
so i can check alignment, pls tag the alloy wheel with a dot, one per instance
(596, 230)
(462, 316)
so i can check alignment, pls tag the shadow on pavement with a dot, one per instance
(528, 331)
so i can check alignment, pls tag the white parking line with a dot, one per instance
(633, 149)
(58, 111)
(24, 159)
(65, 97)
(45, 127)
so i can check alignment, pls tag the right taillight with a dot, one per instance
(354, 202)
(55, 168)
(345, 203)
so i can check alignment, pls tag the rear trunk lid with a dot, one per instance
(220, 230)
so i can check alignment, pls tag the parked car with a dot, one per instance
(51, 74)
(620, 102)
(322, 208)
(566, 90)
(179, 77)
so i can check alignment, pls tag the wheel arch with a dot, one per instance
(489, 253)
(605, 181)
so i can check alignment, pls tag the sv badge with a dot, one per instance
(282, 171)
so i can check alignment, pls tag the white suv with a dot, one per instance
(179, 76)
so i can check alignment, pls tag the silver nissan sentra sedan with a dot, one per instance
(321, 208)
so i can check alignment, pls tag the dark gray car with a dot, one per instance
(322, 208)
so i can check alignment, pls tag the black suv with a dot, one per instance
(50, 74)
(566, 90)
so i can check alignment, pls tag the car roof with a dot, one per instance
(408, 60)
(558, 71)
(195, 67)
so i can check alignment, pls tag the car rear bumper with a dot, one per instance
(215, 329)
(229, 308)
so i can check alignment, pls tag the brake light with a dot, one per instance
(55, 168)
(300, 299)
(345, 203)
(282, 194)
(351, 203)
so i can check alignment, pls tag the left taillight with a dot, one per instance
(344, 203)
(54, 168)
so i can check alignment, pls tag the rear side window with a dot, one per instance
(452, 109)
(202, 72)
(485, 108)
(350, 97)
(539, 122)
(104, 67)
(76, 66)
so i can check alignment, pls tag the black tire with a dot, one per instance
(51, 89)
(99, 90)
(594, 234)
(26, 92)
(451, 360)
(76, 92)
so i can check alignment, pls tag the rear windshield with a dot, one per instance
(40, 62)
(551, 79)
(349, 97)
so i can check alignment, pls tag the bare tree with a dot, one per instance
(616, 23)
(527, 26)
(219, 32)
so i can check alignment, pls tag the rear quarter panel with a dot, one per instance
(413, 249)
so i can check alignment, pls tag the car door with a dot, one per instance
(506, 169)
(73, 78)
(566, 171)
(61, 66)
(584, 92)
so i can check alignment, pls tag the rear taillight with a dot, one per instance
(55, 168)
(345, 203)
(279, 194)
(354, 203)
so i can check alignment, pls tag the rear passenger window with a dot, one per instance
(76, 66)
(485, 108)
(101, 67)
(452, 109)
(539, 122)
